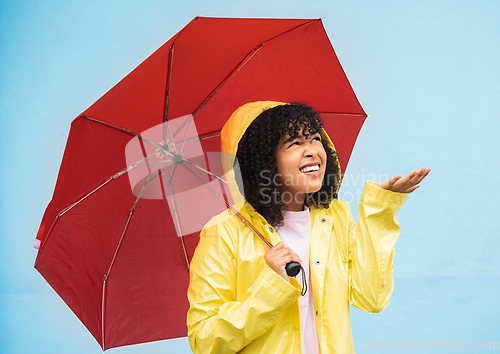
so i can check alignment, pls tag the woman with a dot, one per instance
(241, 297)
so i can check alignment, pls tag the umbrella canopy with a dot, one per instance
(114, 258)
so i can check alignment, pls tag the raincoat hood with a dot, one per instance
(233, 131)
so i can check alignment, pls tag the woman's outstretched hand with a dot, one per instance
(406, 184)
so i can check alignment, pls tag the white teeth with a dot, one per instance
(309, 168)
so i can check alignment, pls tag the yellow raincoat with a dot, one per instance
(239, 304)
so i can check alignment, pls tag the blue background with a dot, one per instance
(427, 73)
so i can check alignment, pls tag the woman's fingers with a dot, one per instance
(423, 173)
(409, 190)
(287, 255)
(390, 183)
(406, 184)
(278, 257)
(414, 179)
(394, 180)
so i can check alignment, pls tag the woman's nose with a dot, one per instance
(310, 152)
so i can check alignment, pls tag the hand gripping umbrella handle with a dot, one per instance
(292, 268)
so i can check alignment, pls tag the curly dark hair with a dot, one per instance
(257, 153)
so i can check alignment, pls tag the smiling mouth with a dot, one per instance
(312, 168)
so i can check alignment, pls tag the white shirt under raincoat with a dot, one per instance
(239, 304)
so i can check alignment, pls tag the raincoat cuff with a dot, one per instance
(279, 289)
(375, 195)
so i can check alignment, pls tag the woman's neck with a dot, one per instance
(296, 204)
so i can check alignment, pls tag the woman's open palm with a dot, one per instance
(406, 184)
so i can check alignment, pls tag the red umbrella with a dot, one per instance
(114, 258)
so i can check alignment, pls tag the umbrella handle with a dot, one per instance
(292, 269)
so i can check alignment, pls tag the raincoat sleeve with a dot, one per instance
(371, 248)
(217, 321)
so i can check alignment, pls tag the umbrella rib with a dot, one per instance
(169, 81)
(183, 125)
(188, 122)
(103, 311)
(195, 140)
(223, 83)
(154, 143)
(229, 77)
(176, 218)
(167, 98)
(171, 65)
(171, 136)
(148, 179)
(171, 177)
(242, 63)
(160, 172)
(195, 165)
(291, 29)
(204, 170)
(192, 146)
(115, 176)
(47, 237)
(149, 163)
(209, 136)
(185, 135)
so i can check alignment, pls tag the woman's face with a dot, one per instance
(301, 165)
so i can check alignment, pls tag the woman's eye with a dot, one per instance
(294, 143)
(316, 138)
